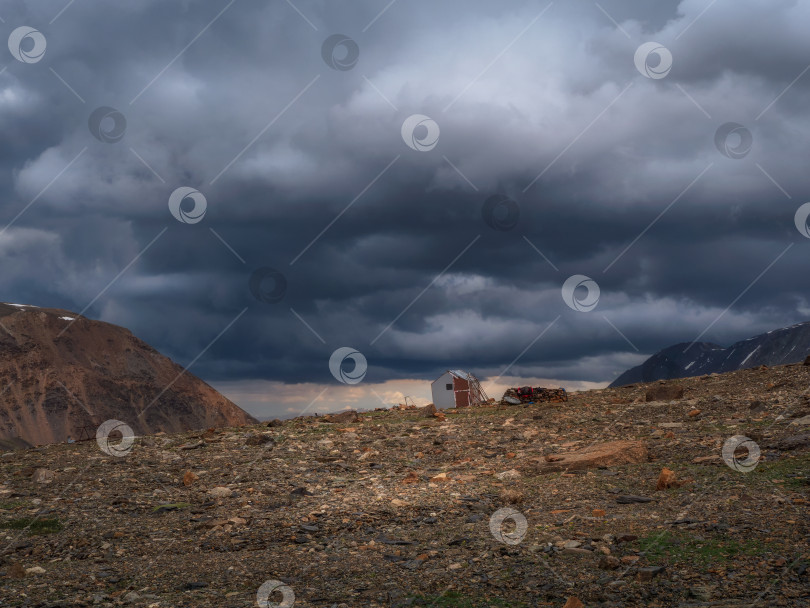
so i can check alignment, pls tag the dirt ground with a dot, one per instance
(397, 509)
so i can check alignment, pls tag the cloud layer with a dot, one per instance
(390, 249)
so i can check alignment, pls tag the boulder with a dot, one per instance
(220, 492)
(792, 442)
(664, 392)
(260, 439)
(428, 411)
(666, 480)
(610, 454)
(342, 417)
(43, 476)
(189, 478)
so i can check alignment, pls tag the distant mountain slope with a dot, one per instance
(786, 345)
(62, 375)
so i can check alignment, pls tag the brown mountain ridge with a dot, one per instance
(62, 375)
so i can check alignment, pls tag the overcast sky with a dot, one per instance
(422, 178)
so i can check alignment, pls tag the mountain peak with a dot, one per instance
(64, 375)
(776, 347)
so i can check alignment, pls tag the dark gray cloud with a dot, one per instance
(616, 176)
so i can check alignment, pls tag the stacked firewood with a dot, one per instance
(534, 395)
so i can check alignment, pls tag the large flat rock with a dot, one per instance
(610, 454)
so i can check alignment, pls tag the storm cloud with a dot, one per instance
(608, 162)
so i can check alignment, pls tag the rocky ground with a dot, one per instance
(397, 508)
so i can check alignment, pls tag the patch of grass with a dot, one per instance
(33, 526)
(702, 552)
(454, 599)
(793, 470)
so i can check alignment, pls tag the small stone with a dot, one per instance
(220, 492)
(193, 446)
(701, 593)
(43, 476)
(629, 559)
(131, 597)
(35, 570)
(647, 574)
(598, 513)
(189, 478)
(513, 497)
(666, 480)
(411, 477)
(804, 421)
(572, 544)
(694, 413)
(574, 602)
(608, 562)
(626, 499)
(396, 502)
(510, 474)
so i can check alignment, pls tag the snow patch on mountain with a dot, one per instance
(776, 347)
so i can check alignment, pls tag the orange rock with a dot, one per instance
(694, 413)
(440, 478)
(629, 559)
(411, 478)
(598, 513)
(613, 453)
(510, 454)
(712, 458)
(666, 480)
(558, 511)
(574, 602)
(428, 411)
(189, 478)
